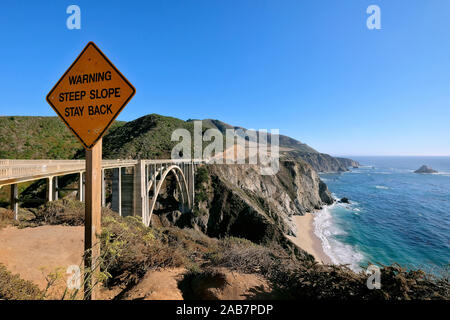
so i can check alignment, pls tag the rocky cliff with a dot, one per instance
(235, 200)
(322, 162)
(348, 162)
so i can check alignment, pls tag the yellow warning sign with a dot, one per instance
(90, 95)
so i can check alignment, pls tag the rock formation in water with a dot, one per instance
(425, 169)
(344, 200)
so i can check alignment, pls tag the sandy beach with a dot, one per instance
(306, 239)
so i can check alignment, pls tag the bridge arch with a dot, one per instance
(182, 186)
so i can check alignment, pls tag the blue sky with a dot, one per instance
(310, 68)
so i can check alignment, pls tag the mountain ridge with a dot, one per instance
(39, 137)
(291, 148)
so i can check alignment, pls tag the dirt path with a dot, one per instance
(158, 285)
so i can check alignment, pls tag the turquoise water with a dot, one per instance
(395, 215)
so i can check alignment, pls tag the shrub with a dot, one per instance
(131, 249)
(6, 217)
(12, 287)
(202, 175)
(64, 211)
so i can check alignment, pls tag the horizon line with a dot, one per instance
(389, 155)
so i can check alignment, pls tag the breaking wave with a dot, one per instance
(326, 230)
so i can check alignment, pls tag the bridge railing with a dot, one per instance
(15, 170)
(11, 170)
(174, 161)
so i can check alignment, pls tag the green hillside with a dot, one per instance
(37, 138)
(148, 137)
(23, 137)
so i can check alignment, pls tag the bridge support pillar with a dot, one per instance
(81, 187)
(192, 184)
(155, 180)
(50, 189)
(55, 189)
(139, 203)
(116, 202)
(14, 200)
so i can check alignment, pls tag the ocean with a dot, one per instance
(394, 215)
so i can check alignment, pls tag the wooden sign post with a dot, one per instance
(92, 222)
(88, 98)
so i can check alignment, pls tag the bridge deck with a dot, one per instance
(15, 171)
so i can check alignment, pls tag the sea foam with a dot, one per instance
(327, 230)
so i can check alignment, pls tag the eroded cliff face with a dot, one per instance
(236, 200)
(322, 162)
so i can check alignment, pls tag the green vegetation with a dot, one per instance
(201, 179)
(148, 137)
(202, 175)
(38, 138)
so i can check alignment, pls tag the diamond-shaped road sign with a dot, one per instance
(90, 95)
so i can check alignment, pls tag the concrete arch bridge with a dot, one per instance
(135, 184)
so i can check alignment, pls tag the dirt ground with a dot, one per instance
(35, 252)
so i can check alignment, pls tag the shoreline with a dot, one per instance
(307, 240)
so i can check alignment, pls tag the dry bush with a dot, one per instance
(6, 217)
(130, 249)
(63, 211)
(12, 287)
